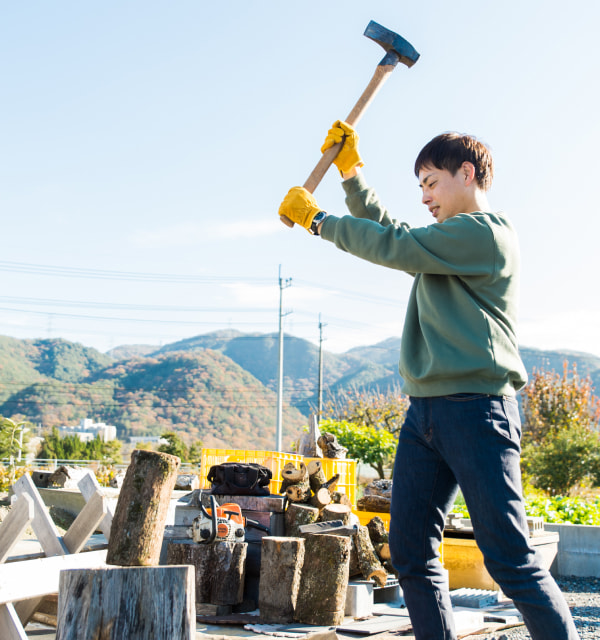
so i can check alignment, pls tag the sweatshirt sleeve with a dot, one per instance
(462, 245)
(363, 202)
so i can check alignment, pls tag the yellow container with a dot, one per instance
(275, 461)
(364, 517)
(464, 560)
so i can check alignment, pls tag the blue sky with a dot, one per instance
(147, 146)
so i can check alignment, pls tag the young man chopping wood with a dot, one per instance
(461, 368)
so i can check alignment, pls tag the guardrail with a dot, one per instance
(53, 464)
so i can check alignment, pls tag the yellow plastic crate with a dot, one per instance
(273, 460)
(364, 517)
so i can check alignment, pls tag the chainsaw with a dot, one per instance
(221, 524)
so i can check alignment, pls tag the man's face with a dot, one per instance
(444, 194)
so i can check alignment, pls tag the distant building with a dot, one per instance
(149, 439)
(87, 430)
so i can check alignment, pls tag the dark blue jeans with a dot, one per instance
(471, 441)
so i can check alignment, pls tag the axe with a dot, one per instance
(397, 50)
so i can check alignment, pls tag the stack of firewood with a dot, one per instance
(313, 498)
(377, 497)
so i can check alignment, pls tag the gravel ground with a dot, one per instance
(583, 598)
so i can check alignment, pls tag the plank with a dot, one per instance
(42, 524)
(13, 526)
(10, 625)
(86, 523)
(88, 485)
(40, 577)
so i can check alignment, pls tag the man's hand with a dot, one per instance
(300, 206)
(348, 158)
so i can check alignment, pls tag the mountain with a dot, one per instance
(219, 387)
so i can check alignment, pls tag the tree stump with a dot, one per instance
(336, 512)
(296, 515)
(280, 570)
(136, 603)
(324, 580)
(139, 521)
(220, 569)
(370, 566)
(340, 498)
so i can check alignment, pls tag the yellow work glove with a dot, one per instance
(300, 206)
(348, 157)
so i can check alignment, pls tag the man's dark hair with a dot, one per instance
(449, 150)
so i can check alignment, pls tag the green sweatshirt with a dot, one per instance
(459, 330)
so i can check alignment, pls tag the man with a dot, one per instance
(461, 368)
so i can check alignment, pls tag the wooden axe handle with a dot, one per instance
(381, 74)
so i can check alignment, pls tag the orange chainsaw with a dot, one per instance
(222, 524)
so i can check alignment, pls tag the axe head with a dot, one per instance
(398, 49)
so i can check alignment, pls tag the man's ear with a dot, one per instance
(467, 170)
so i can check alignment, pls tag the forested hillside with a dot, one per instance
(219, 388)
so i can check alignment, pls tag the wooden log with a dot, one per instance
(280, 570)
(298, 514)
(291, 474)
(373, 503)
(136, 603)
(380, 487)
(370, 566)
(377, 531)
(382, 549)
(316, 475)
(320, 499)
(299, 492)
(331, 484)
(331, 447)
(324, 580)
(336, 512)
(219, 567)
(340, 498)
(141, 511)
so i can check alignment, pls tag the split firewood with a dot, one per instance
(316, 475)
(370, 566)
(382, 549)
(292, 475)
(380, 487)
(331, 447)
(280, 570)
(298, 514)
(377, 530)
(322, 593)
(373, 503)
(336, 512)
(331, 484)
(340, 498)
(320, 499)
(299, 492)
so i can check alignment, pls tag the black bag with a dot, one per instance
(239, 479)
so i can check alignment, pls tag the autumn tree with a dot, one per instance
(367, 423)
(561, 444)
(369, 445)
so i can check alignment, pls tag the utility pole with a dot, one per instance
(283, 284)
(320, 389)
